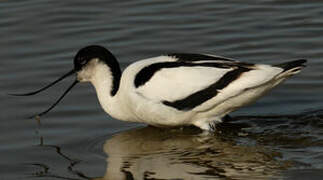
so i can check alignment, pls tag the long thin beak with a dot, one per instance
(46, 87)
(58, 100)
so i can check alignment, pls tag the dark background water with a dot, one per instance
(74, 141)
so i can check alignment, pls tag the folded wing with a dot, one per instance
(201, 82)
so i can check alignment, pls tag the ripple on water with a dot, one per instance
(40, 37)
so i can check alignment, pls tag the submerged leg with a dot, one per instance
(207, 124)
(227, 118)
(214, 124)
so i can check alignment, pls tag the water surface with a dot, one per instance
(278, 137)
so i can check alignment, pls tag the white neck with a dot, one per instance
(102, 81)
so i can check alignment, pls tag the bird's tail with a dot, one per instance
(291, 67)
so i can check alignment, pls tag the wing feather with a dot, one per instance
(201, 83)
(171, 84)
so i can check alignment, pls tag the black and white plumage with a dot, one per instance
(175, 89)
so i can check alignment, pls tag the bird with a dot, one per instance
(174, 89)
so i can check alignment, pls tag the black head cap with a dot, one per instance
(88, 53)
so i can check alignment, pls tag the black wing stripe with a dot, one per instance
(197, 98)
(196, 57)
(148, 72)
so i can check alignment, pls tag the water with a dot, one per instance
(77, 140)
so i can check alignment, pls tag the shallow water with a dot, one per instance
(278, 137)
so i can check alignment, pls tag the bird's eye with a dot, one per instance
(79, 63)
(82, 61)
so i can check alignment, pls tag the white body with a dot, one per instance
(144, 103)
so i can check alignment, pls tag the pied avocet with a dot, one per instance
(175, 89)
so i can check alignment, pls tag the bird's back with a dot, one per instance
(168, 90)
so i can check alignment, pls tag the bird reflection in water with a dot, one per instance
(237, 151)
(153, 153)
